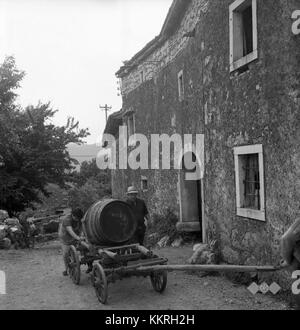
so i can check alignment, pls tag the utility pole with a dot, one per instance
(106, 108)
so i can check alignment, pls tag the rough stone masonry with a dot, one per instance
(255, 106)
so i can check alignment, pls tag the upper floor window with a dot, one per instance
(131, 125)
(243, 33)
(180, 86)
(142, 76)
(144, 183)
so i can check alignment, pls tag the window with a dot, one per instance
(142, 76)
(180, 86)
(243, 33)
(131, 130)
(144, 183)
(131, 125)
(249, 176)
(251, 182)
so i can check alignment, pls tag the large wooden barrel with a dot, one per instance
(109, 222)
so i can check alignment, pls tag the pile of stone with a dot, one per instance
(155, 239)
(167, 241)
(204, 254)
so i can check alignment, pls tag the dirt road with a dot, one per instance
(34, 281)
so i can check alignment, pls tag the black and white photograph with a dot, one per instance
(150, 157)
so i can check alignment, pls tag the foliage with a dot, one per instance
(33, 151)
(91, 185)
(86, 195)
(89, 170)
(57, 200)
(164, 224)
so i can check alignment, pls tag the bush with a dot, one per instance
(86, 195)
(164, 224)
(90, 171)
(57, 200)
(91, 185)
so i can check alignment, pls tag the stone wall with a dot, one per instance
(168, 51)
(259, 106)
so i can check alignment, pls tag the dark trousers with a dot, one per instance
(140, 235)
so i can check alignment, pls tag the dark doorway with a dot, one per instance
(190, 195)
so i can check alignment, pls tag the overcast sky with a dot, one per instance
(71, 49)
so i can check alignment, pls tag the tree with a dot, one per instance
(86, 195)
(92, 184)
(33, 150)
(89, 170)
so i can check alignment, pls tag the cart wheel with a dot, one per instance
(100, 283)
(74, 265)
(159, 281)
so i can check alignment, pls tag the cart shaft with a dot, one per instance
(210, 268)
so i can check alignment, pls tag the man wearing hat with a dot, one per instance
(140, 211)
(69, 232)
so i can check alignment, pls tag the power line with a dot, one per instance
(105, 108)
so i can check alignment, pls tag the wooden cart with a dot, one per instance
(114, 263)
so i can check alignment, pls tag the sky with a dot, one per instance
(71, 50)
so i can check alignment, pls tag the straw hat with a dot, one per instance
(132, 190)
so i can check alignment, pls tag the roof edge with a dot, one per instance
(174, 17)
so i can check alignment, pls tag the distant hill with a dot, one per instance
(85, 152)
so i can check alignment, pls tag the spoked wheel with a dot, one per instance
(74, 265)
(100, 283)
(159, 281)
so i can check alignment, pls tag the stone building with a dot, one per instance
(229, 71)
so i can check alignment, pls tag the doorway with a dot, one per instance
(190, 196)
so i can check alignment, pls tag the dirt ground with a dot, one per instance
(35, 281)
